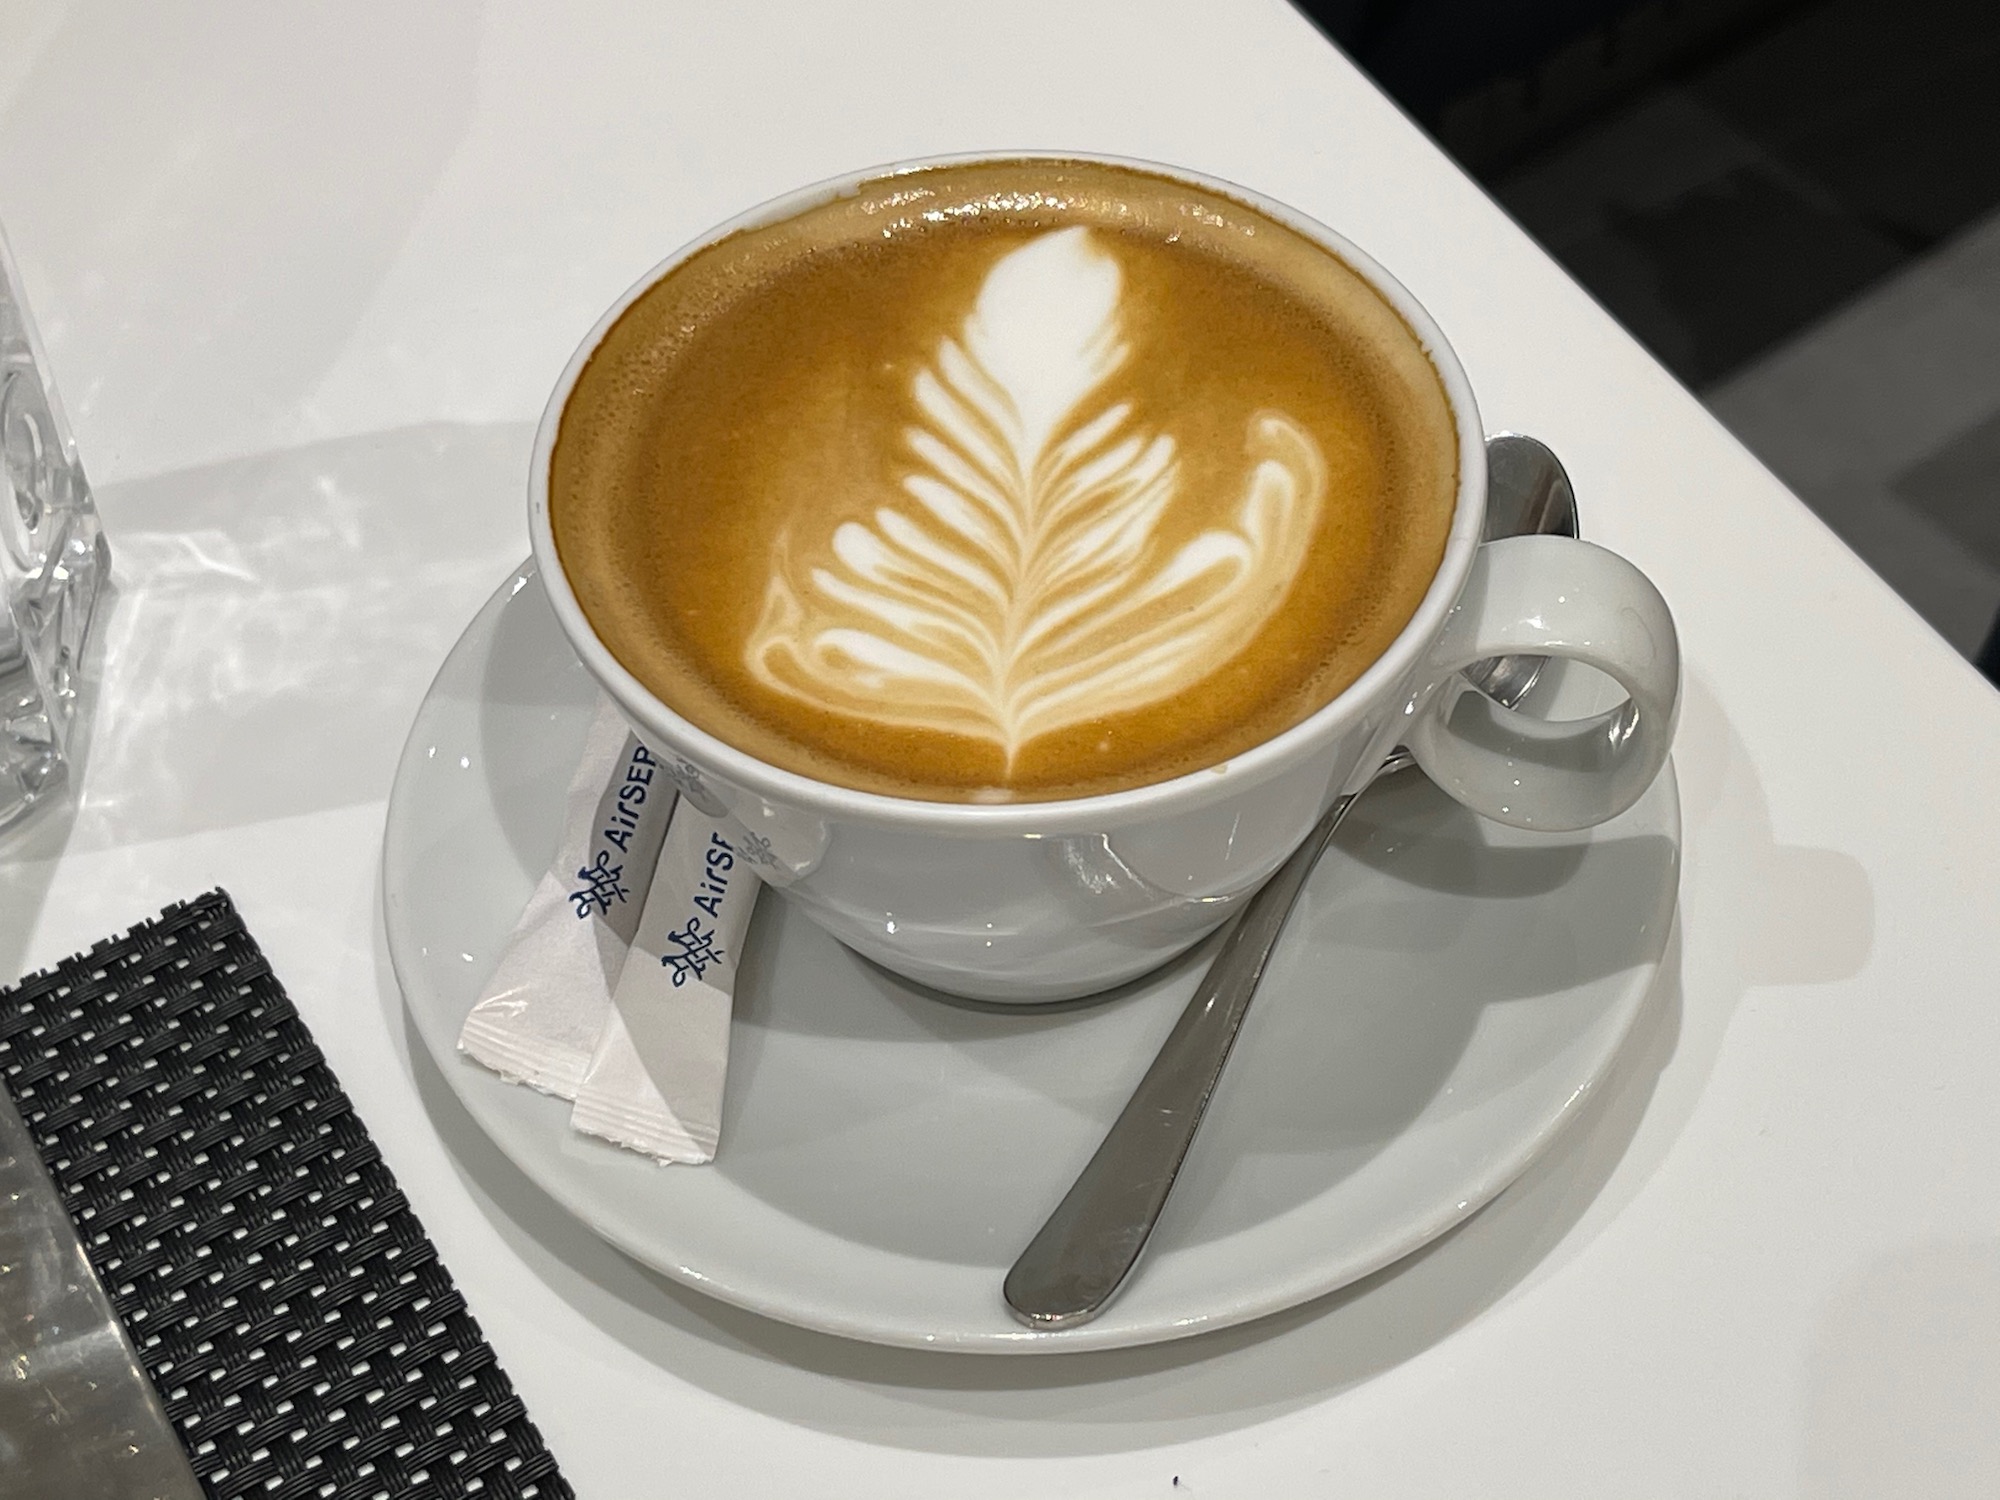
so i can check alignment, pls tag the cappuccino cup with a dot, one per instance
(1020, 553)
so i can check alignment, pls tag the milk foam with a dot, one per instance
(1022, 586)
(999, 480)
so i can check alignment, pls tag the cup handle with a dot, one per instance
(1551, 596)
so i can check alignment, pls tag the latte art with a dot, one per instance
(1025, 588)
(1003, 480)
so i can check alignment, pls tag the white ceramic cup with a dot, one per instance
(1039, 901)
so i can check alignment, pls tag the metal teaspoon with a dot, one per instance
(1083, 1254)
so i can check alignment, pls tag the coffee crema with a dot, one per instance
(1016, 480)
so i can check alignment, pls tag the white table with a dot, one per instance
(306, 278)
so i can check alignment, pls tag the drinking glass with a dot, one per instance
(53, 564)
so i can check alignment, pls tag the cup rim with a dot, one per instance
(1184, 792)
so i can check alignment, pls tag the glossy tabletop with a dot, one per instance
(306, 275)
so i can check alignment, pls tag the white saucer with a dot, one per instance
(1446, 993)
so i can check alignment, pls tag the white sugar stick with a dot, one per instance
(656, 1081)
(538, 1019)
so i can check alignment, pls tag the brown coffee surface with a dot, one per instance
(1012, 481)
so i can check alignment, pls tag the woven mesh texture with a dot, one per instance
(287, 1303)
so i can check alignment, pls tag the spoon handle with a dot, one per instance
(1090, 1243)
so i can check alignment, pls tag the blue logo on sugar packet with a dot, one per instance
(695, 942)
(602, 881)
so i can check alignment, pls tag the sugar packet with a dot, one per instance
(655, 1083)
(539, 1018)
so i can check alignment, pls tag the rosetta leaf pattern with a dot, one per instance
(1019, 583)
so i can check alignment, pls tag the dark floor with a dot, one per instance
(1724, 210)
(1795, 206)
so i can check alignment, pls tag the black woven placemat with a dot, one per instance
(293, 1314)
